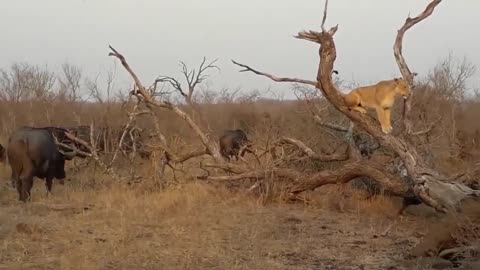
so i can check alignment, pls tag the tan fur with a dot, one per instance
(379, 97)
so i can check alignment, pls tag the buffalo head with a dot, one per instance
(60, 163)
(231, 142)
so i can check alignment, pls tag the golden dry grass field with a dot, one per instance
(200, 226)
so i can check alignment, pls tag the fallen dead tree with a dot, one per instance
(148, 98)
(431, 187)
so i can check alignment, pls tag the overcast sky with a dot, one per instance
(154, 35)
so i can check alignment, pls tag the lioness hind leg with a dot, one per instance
(352, 101)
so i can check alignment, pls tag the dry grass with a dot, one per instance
(195, 226)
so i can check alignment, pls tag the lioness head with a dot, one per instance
(402, 88)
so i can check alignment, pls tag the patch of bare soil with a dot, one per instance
(195, 227)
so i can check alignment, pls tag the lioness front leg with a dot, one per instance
(359, 109)
(381, 115)
(388, 112)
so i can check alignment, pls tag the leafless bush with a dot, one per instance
(69, 81)
(449, 77)
(102, 94)
(24, 82)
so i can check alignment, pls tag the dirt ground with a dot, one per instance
(197, 226)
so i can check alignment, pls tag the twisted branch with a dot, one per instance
(402, 64)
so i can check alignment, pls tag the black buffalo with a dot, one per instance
(231, 142)
(32, 152)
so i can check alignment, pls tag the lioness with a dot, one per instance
(380, 97)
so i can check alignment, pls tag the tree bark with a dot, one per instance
(351, 171)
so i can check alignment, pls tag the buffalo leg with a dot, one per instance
(234, 154)
(26, 188)
(14, 178)
(407, 202)
(49, 184)
(18, 185)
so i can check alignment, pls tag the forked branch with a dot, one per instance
(173, 82)
(397, 48)
(402, 64)
(192, 77)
